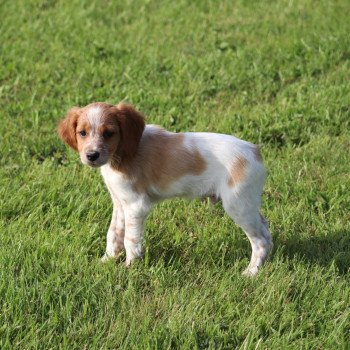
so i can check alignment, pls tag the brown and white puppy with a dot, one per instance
(142, 164)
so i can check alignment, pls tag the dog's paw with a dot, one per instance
(250, 271)
(133, 261)
(106, 258)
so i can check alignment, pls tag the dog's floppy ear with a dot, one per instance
(67, 127)
(132, 124)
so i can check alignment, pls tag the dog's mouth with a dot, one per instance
(93, 163)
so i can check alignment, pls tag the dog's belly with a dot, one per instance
(188, 186)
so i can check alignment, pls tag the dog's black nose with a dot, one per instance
(92, 156)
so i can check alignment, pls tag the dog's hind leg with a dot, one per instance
(245, 212)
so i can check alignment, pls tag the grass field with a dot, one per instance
(275, 73)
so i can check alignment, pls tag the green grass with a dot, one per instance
(275, 73)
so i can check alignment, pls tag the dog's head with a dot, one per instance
(102, 133)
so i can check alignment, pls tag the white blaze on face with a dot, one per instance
(94, 117)
(95, 141)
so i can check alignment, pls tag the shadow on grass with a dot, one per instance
(217, 252)
(324, 250)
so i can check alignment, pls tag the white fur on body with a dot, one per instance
(241, 200)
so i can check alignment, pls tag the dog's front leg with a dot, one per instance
(135, 217)
(116, 231)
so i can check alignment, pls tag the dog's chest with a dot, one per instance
(117, 184)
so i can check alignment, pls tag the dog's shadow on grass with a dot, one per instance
(325, 250)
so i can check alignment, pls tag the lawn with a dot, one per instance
(275, 73)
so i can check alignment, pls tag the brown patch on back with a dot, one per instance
(257, 154)
(162, 159)
(237, 171)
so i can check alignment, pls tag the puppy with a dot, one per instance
(142, 164)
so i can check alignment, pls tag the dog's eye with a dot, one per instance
(82, 133)
(107, 134)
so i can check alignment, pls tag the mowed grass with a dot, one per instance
(275, 73)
